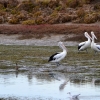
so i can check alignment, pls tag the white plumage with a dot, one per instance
(84, 45)
(94, 46)
(73, 97)
(57, 57)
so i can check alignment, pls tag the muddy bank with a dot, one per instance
(46, 41)
(46, 35)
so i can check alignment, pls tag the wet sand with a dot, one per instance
(46, 41)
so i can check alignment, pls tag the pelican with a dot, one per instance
(84, 45)
(57, 57)
(74, 97)
(94, 46)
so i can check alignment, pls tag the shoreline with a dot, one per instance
(46, 41)
(48, 36)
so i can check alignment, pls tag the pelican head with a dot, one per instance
(87, 35)
(61, 45)
(93, 35)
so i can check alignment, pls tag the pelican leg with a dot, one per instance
(78, 51)
(86, 50)
(57, 63)
(95, 52)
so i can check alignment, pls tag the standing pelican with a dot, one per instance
(57, 57)
(84, 45)
(94, 46)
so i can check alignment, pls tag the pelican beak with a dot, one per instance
(93, 35)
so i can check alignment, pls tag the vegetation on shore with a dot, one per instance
(47, 17)
(36, 12)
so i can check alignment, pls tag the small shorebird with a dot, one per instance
(57, 57)
(84, 45)
(73, 97)
(16, 67)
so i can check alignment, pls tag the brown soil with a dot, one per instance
(45, 35)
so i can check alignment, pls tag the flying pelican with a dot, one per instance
(84, 45)
(94, 46)
(57, 57)
(73, 97)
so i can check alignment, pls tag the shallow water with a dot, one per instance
(39, 80)
(28, 85)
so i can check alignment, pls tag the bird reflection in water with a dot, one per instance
(60, 77)
(62, 86)
(17, 69)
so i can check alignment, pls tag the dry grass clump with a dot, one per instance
(28, 22)
(49, 11)
(97, 6)
(40, 20)
(26, 5)
(38, 13)
(90, 18)
(72, 3)
(37, 21)
(22, 17)
(1, 7)
(81, 12)
(13, 20)
(86, 1)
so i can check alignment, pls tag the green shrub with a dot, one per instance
(58, 8)
(29, 22)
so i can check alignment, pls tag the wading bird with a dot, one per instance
(57, 57)
(84, 45)
(16, 67)
(73, 97)
(94, 46)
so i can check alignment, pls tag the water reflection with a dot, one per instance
(42, 85)
(16, 74)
